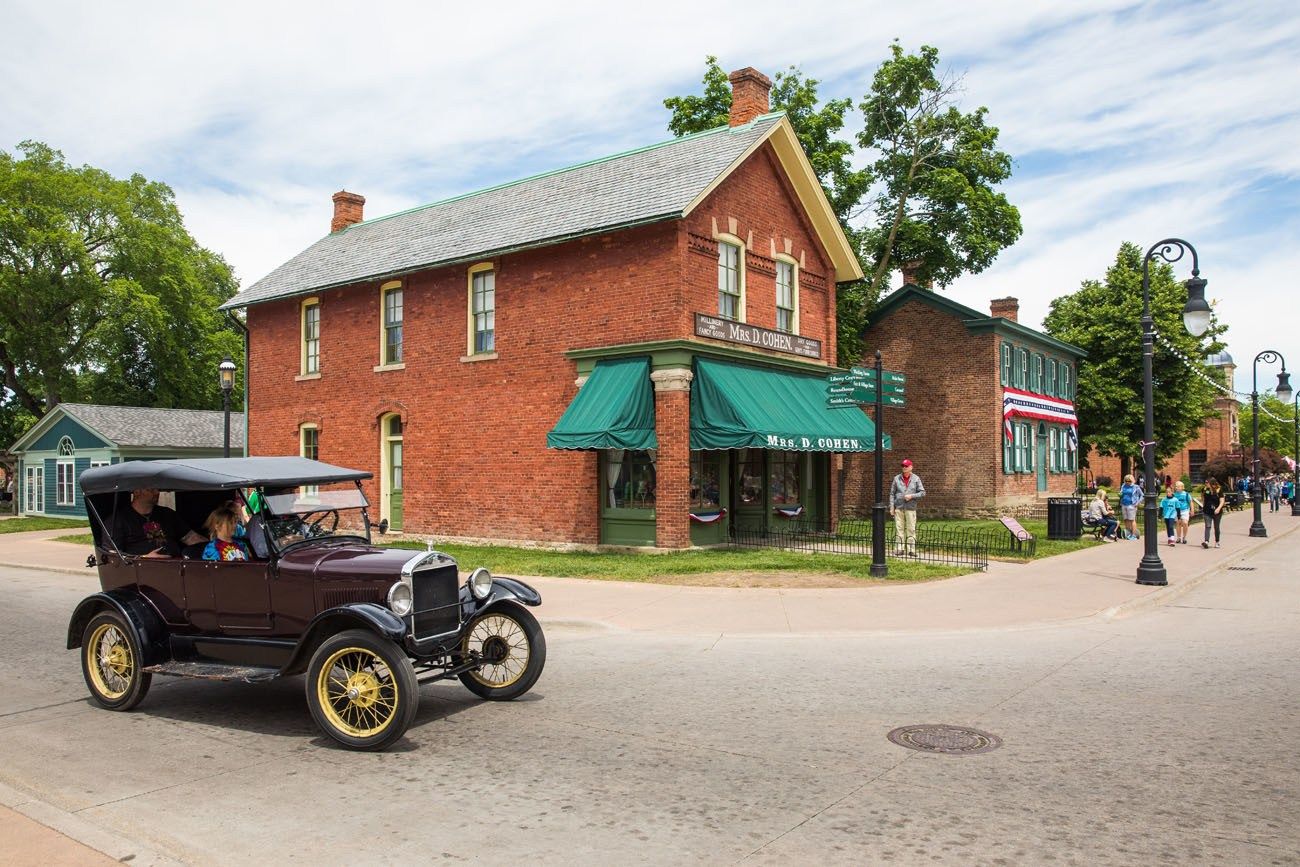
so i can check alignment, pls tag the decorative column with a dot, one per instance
(673, 462)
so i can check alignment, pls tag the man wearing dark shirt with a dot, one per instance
(151, 530)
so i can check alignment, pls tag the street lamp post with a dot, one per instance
(1196, 319)
(226, 372)
(1257, 527)
(1295, 470)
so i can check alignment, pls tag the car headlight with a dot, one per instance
(399, 599)
(480, 583)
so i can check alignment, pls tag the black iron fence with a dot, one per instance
(934, 543)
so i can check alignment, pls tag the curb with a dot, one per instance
(46, 568)
(1165, 595)
(87, 833)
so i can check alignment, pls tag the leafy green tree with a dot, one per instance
(1276, 425)
(104, 295)
(1224, 466)
(1104, 318)
(934, 206)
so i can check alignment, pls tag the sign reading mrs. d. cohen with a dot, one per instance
(751, 335)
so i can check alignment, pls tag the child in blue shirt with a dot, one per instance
(227, 540)
(1184, 511)
(1169, 511)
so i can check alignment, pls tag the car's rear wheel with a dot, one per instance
(110, 662)
(510, 641)
(362, 690)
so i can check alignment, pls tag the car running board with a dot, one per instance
(215, 671)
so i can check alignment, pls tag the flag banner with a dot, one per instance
(792, 512)
(1029, 405)
(1072, 438)
(708, 517)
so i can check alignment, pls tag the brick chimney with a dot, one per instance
(1007, 308)
(912, 273)
(749, 90)
(347, 210)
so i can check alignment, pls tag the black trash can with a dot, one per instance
(1064, 518)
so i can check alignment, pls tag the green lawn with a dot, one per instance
(998, 536)
(618, 566)
(23, 525)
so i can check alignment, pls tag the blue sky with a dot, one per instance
(1128, 121)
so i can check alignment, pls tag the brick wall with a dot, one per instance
(474, 441)
(951, 427)
(1215, 437)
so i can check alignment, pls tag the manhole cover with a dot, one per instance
(950, 740)
(1241, 568)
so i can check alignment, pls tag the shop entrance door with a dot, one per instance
(391, 476)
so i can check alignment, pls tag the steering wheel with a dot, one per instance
(316, 528)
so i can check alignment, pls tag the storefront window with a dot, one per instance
(629, 479)
(750, 464)
(706, 471)
(783, 476)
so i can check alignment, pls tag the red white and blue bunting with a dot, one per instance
(789, 513)
(708, 517)
(1026, 404)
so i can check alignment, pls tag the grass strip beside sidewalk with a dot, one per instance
(623, 566)
(35, 522)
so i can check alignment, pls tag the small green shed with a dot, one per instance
(73, 437)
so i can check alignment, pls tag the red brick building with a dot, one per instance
(663, 318)
(989, 420)
(1219, 435)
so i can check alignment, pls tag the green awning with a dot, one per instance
(736, 406)
(614, 409)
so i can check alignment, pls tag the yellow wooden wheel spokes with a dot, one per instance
(357, 692)
(110, 662)
(502, 641)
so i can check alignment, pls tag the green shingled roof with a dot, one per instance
(641, 186)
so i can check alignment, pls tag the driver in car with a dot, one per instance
(151, 530)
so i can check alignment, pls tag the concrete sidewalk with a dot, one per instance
(1095, 581)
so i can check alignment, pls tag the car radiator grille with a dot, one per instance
(437, 602)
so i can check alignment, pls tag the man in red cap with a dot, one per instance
(903, 494)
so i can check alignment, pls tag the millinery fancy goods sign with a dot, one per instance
(751, 335)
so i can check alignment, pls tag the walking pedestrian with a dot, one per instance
(1129, 497)
(1169, 511)
(905, 490)
(1274, 494)
(1212, 500)
(1184, 510)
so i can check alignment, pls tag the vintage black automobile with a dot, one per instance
(365, 624)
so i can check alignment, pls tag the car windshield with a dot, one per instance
(313, 512)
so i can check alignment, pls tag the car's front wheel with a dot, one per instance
(362, 690)
(110, 662)
(509, 640)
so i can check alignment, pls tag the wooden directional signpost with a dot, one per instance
(868, 386)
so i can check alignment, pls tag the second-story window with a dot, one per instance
(728, 280)
(785, 319)
(392, 299)
(483, 311)
(311, 337)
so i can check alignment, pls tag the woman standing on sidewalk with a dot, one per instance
(1211, 510)
(1129, 497)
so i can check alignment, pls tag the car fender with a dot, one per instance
(509, 589)
(144, 619)
(354, 615)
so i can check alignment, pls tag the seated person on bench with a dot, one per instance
(150, 530)
(1100, 512)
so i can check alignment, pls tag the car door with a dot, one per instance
(241, 593)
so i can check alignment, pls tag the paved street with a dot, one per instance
(1164, 737)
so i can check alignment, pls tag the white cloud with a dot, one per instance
(1130, 121)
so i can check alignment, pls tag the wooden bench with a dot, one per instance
(1019, 536)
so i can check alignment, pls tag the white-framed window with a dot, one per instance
(390, 336)
(731, 281)
(1024, 448)
(310, 337)
(1067, 382)
(1052, 459)
(309, 447)
(34, 489)
(482, 310)
(100, 462)
(787, 297)
(65, 474)
(1005, 363)
(1052, 388)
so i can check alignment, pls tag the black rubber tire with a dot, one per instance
(532, 633)
(405, 690)
(137, 681)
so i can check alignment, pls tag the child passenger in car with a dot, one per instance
(226, 543)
